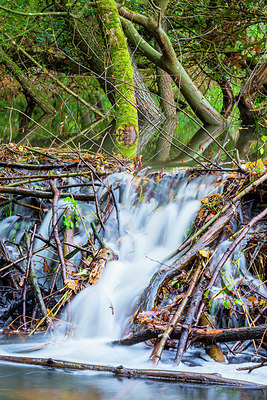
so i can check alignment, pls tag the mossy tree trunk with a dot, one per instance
(126, 131)
(92, 47)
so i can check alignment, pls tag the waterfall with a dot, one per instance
(154, 220)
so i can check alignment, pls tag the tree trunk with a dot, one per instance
(228, 98)
(168, 61)
(254, 85)
(95, 55)
(27, 86)
(126, 134)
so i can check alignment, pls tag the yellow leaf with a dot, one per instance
(255, 165)
(205, 200)
(204, 253)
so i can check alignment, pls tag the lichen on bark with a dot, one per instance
(126, 131)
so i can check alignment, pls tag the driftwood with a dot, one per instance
(198, 335)
(152, 374)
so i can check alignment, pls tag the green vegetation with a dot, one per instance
(73, 58)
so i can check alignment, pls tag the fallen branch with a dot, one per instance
(190, 318)
(202, 287)
(34, 282)
(159, 347)
(37, 167)
(120, 371)
(43, 194)
(198, 335)
(250, 369)
(55, 229)
(248, 189)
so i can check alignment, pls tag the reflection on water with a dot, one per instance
(159, 141)
(33, 383)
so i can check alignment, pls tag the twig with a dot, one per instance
(156, 354)
(116, 209)
(250, 369)
(34, 282)
(27, 273)
(98, 212)
(97, 236)
(55, 228)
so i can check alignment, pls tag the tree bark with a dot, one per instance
(126, 131)
(228, 98)
(95, 55)
(168, 61)
(254, 85)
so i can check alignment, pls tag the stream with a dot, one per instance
(152, 220)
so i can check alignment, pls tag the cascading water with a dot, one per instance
(152, 220)
(152, 224)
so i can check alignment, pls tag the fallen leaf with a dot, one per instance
(204, 253)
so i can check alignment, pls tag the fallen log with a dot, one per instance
(152, 374)
(198, 335)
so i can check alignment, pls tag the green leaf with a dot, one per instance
(237, 301)
(226, 303)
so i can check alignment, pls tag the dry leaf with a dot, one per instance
(46, 267)
(71, 283)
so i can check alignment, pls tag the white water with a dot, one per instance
(151, 229)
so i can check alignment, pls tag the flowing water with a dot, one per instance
(152, 220)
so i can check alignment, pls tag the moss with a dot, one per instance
(126, 112)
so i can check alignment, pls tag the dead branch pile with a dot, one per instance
(175, 310)
(32, 182)
(182, 304)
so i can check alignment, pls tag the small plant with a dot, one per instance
(13, 236)
(67, 220)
